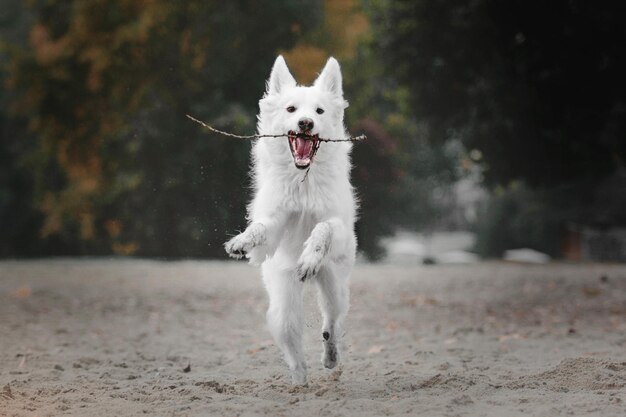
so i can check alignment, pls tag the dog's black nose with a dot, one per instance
(305, 124)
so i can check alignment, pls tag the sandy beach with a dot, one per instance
(118, 337)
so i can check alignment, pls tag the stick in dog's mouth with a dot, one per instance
(303, 147)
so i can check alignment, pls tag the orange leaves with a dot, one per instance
(68, 204)
(22, 292)
(47, 50)
(99, 61)
(185, 37)
(347, 24)
(305, 61)
(113, 227)
(106, 79)
(125, 249)
(344, 25)
(194, 48)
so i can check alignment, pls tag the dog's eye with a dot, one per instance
(291, 109)
(319, 110)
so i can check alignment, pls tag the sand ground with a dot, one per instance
(135, 337)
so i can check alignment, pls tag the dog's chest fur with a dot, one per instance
(304, 198)
(321, 192)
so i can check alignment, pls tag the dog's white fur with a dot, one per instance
(301, 224)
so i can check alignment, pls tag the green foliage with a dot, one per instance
(99, 157)
(105, 86)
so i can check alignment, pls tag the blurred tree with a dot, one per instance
(19, 223)
(519, 217)
(399, 170)
(102, 159)
(339, 34)
(105, 86)
(537, 86)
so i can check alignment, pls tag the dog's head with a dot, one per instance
(305, 113)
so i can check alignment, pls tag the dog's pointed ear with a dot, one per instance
(280, 78)
(330, 78)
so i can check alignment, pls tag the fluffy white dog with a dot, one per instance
(301, 220)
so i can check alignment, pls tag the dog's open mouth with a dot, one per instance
(303, 147)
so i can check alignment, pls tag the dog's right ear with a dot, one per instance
(280, 78)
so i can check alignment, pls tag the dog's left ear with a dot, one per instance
(330, 78)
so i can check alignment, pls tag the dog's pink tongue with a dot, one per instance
(303, 148)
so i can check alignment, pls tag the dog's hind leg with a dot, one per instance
(334, 301)
(285, 316)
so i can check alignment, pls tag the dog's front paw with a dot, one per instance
(239, 246)
(309, 263)
(315, 249)
(243, 243)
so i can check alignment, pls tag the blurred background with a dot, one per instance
(496, 129)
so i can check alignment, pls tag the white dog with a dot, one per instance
(301, 220)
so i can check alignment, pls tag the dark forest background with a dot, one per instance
(527, 99)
